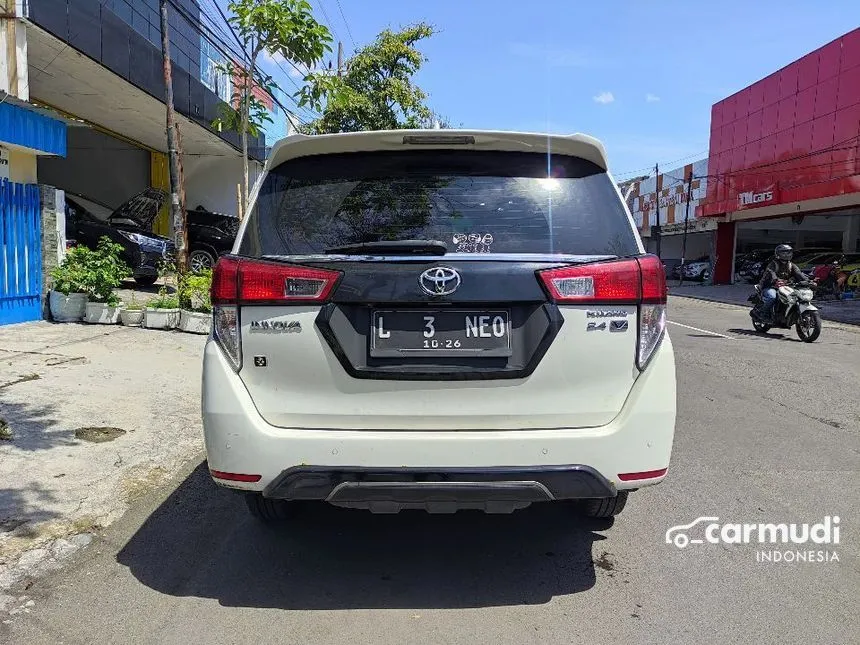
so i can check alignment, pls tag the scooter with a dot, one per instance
(793, 308)
(829, 280)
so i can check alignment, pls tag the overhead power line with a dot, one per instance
(346, 23)
(226, 51)
(306, 112)
(227, 22)
(327, 19)
(747, 172)
(662, 163)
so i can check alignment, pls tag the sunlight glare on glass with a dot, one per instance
(549, 183)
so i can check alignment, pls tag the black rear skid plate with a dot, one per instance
(389, 490)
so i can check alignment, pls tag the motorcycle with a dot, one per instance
(830, 280)
(793, 308)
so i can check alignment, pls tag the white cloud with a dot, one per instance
(651, 98)
(604, 97)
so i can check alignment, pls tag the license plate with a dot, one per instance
(440, 333)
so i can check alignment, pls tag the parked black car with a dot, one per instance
(130, 225)
(210, 235)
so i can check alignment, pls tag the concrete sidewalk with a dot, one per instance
(93, 416)
(841, 311)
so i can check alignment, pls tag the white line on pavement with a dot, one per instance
(704, 331)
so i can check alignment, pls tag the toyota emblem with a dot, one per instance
(439, 281)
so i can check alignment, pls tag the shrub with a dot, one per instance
(194, 291)
(164, 300)
(96, 273)
(68, 277)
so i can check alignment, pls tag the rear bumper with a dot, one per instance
(568, 463)
(392, 489)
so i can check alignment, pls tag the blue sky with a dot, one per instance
(641, 76)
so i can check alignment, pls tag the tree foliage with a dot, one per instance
(230, 117)
(376, 91)
(284, 28)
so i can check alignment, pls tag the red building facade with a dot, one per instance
(787, 145)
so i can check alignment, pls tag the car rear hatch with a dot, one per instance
(439, 290)
(140, 210)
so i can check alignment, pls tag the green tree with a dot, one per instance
(376, 91)
(282, 28)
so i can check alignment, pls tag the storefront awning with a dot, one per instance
(22, 127)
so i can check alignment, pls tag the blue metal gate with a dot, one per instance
(20, 253)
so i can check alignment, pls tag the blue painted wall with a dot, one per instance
(29, 129)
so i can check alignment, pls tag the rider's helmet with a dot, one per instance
(783, 253)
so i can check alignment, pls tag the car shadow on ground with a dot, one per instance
(201, 542)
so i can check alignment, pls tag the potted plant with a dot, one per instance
(104, 272)
(162, 312)
(68, 297)
(131, 315)
(196, 307)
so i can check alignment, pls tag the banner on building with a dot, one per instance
(666, 196)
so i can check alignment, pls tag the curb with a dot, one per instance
(839, 324)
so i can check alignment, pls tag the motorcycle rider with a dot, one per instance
(830, 278)
(780, 269)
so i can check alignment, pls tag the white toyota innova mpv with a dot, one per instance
(438, 319)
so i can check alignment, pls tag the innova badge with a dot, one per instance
(439, 281)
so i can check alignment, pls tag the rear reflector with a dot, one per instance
(647, 474)
(241, 281)
(235, 477)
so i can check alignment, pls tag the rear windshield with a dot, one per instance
(473, 202)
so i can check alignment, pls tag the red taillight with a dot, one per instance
(647, 474)
(653, 280)
(629, 281)
(240, 281)
(225, 281)
(636, 281)
(235, 477)
(610, 282)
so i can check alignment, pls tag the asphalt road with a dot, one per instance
(768, 431)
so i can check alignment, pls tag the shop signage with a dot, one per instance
(750, 199)
(4, 163)
(693, 226)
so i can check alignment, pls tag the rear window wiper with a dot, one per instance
(396, 247)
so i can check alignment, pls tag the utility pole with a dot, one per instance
(173, 151)
(686, 223)
(339, 58)
(655, 231)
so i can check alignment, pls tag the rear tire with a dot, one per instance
(270, 511)
(605, 507)
(761, 327)
(200, 260)
(808, 326)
